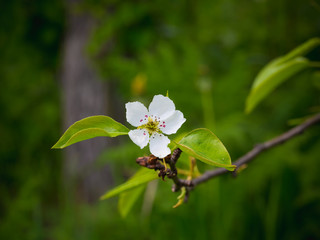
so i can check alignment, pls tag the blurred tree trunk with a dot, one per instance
(84, 94)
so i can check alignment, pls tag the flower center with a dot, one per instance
(151, 126)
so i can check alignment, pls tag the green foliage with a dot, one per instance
(202, 144)
(141, 177)
(278, 71)
(90, 127)
(128, 198)
(301, 50)
(234, 40)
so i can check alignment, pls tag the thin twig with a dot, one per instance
(258, 149)
(172, 162)
(153, 162)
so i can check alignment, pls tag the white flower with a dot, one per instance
(161, 118)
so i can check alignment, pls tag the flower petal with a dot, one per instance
(139, 137)
(161, 106)
(159, 145)
(172, 123)
(136, 113)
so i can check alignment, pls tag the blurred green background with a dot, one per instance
(206, 54)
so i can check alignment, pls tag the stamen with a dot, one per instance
(152, 126)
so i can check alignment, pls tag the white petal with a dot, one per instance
(172, 123)
(159, 145)
(139, 137)
(136, 113)
(161, 106)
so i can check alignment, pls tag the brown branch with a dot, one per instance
(172, 162)
(155, 163)
(178, 182)
(258, 149)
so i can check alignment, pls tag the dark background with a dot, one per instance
(61, 61)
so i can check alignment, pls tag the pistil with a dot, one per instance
(151, 126)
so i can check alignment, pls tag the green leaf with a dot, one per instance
(127, 199)
(273, 77)
(173, 144)
(297, 52)
(278, 71)
(202, 144)
(143, 176)
(301, 50)
(90, 127)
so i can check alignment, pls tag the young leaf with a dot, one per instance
(301, 50)
(203, 145)
(127, 199)
(273, 77)
(90, 127)
(278, 71)
(297, 52)
(143, 176)
(181, 197)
